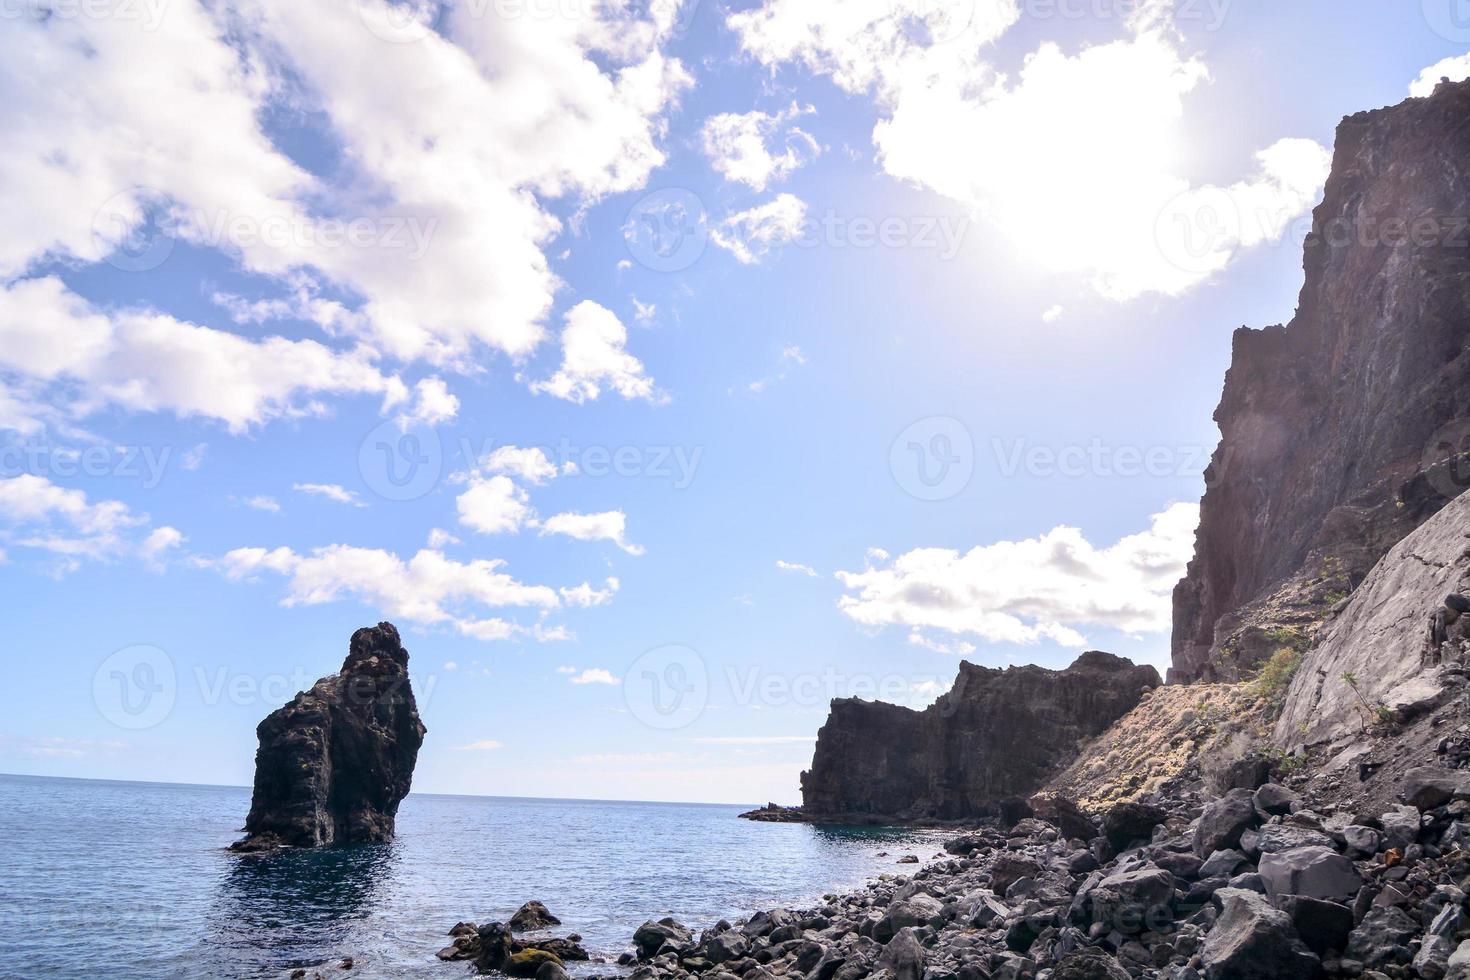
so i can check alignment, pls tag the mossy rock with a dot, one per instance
(528, 961)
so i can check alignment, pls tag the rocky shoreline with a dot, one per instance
(1264, 881)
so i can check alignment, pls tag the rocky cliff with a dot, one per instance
(334, 764)
(997, 736)
(1397, 650)
(1347, 428)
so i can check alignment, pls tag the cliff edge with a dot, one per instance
(1347, 428)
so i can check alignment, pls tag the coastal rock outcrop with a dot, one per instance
(334, 764)
(982, 748)
(1349, 427)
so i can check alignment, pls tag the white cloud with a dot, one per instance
(751, 235)
(1025, 591)
(608, 526)
(151, 362)
(644, 312)
(1455, 68)
(435, 229)
(428, 589)
(596, 675)
(1053, 313)
(566, 671)
(450, 666)
(64, 523)
(790, 566)
(494, 505)
(737, 145)
(488, 745)
(331, 491)
(530, 465)
(585, 595)
(440, 538)
(158, 545)
(593, 357)
(1128, 221)
(433, 402)
(263, 503)
(958, 648)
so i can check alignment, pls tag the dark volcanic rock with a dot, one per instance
(1253, 941)
(1348, 428)
(334, 764)
(1128, 823)
(533, 916)
(997, 736)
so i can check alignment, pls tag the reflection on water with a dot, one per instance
(295, 908)
(141, 871)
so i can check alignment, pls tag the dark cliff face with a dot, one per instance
(334, 764)
(998, 735)
(1346, 429)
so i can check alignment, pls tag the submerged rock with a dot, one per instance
(334, 764)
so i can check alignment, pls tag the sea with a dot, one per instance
(133, 880)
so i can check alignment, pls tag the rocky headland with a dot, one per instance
(334, 764)
(980, 750)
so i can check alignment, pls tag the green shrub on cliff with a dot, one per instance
(1274, 678)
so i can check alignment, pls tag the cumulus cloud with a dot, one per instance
(433, 403)
(1129, 221)
(486, 745)
(435, 231)
(738, 145)
(586, 595)
(70, 528)
(150, 362)
(331, 491)
(1048, 587)
(1455, 68)
(494, 505)
(530, 465)
(594, 358)
(791, 357)
(751, 235)
(428, 589)
(609, 525)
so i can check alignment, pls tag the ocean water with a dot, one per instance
(128, 880)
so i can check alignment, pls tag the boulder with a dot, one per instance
(1432, 960)
(1065, 815)
(1224, 820)
(1008, 868)
(1428, 787)
(1274, 800)
(1089, 963)
(1381, 938)
(529, 962)
(1128, 823)
(335, 763)
(903, 957)
(652, 936)
(1134, 901)
(1324, 926)
(1362, 841)
(1276, 837)
(1225, 862)
(533, 917)
(1313, 871)
(1400, 827)
(1253, 941)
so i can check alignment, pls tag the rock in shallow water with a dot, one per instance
(334, 764)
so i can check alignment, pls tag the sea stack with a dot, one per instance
(334, 764)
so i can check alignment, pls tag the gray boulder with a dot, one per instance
(1253, 941)
(1324, 926)
(1222, 863)
(1274, 800)
(1089, 963)
(1129, 822)
(651, 936)
(1381, 938)
(1428, 787)
(903, 957)
(1363, 841)
(1277, 837)
(1224, 820)
(1134, 901)
(1432, 960)
(1400, 826)
(1314, 871)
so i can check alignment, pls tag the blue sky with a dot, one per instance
(661, 372)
